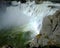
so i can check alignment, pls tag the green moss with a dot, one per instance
(14, 38)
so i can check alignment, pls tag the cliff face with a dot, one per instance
(50, 32)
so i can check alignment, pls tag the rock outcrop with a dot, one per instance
(50, 32)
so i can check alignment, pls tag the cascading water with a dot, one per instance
(37, 12)
(27, 15)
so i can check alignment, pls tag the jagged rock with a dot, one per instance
(50, 32)
(51, 29)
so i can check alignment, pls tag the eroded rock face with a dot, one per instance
(50, 32)
(50, 29)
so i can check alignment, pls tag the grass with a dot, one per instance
(14, 38)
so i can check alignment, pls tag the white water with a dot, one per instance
(28, 15)
(37, 12)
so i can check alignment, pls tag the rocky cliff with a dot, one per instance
(50, 32)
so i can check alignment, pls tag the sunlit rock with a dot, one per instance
(51, 28)
(50, 32)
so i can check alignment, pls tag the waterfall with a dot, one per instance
(27, 15)
(37, 12)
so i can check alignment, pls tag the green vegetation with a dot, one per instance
(14, 38)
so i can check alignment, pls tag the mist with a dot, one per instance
(29, 14)
(12, 16)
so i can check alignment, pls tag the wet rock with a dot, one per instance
(50, 28)
(50, 32)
